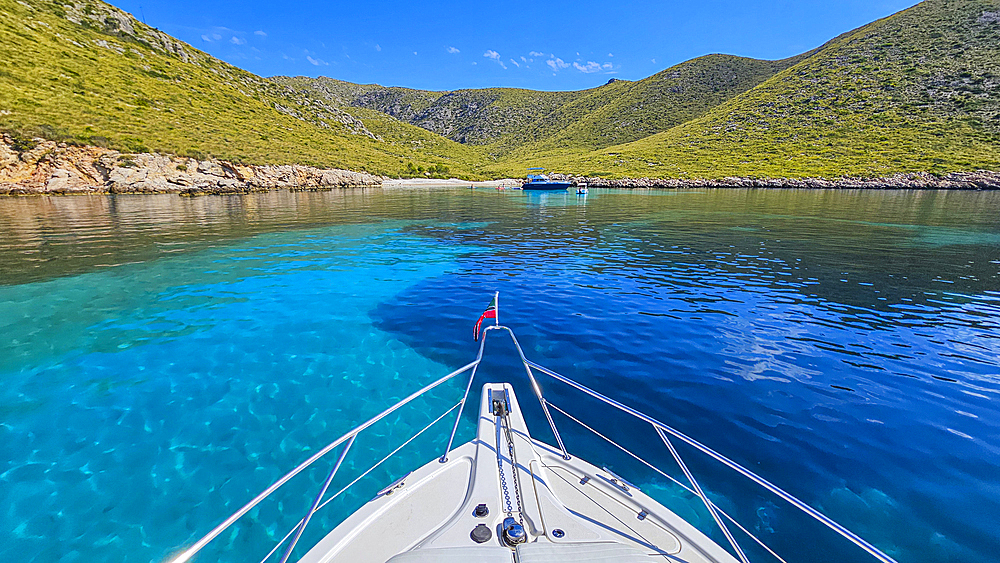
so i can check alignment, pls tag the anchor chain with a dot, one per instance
(503, 479)
(513, 465)
(503, 427)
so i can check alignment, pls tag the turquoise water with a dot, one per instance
(163, 359)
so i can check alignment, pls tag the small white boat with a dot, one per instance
(506, 497)
(581, 189)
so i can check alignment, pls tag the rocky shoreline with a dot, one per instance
(979, 180)
(50, 168)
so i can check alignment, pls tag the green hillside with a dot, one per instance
(917, 91)
(508, 119)
(85, 72)
(403, 104)
(475, 117)
(627, 111)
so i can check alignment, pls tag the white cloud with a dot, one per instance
(607, 66)
(206, 38)
(453, 50)
(316, 62)
(491, 54)
(610, 55)
(653, 60)
(414, 52)
(515, 63)
(536, 54)
(216, 37)
(591, 66)
(260, 33)
(524, 60)
(557, 63)
(378, 47)
(237, 41)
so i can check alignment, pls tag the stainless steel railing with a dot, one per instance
(665, 432)
(362, 476)
(190, 552)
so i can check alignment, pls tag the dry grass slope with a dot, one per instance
(83, 71)
(917, 91)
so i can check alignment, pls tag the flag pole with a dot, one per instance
(496, 299)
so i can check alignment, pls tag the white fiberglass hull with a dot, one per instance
(570, 509)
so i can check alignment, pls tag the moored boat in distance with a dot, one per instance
(536, 180)
(508, 497)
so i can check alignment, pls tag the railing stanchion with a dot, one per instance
(319, 498)
(190, 552)
(538, 393)
(662, 430)
(704, 498)
(461, 407)
(362, 476)
(552, 424)
(669, 478)
(815, 514)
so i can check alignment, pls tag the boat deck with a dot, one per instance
(570, 509)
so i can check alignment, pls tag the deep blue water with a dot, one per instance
(163, 359)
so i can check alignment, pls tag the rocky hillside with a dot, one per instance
(507, 118)
(82, 71)
(403, 104)
(917, 91)
(476, 117)
(621, 112)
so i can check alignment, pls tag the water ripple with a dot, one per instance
(165, 358)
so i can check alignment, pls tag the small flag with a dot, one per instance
(489, 313)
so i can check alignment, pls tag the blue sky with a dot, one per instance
(538, 45)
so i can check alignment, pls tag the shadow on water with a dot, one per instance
(775, 326)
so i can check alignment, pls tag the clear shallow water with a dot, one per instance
(163, 359)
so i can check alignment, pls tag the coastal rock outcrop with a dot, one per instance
(47, 167)
(44, 167)
(978, 180)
